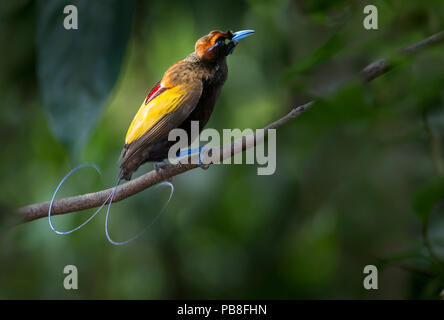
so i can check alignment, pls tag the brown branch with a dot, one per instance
(95, 199)
(381, 66)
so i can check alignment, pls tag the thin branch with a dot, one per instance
(95, 199)
(381, 66)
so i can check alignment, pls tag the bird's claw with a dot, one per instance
(159, 165)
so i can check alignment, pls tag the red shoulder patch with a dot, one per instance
(155, 91)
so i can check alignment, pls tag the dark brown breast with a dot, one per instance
(211, 90)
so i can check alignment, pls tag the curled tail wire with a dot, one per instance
(109, 201)
(166, 183)
(83, 165)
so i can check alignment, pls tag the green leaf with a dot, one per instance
(427, 197)
(78, 68)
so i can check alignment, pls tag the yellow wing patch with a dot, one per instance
(149, 114)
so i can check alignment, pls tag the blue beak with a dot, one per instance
(241, 34)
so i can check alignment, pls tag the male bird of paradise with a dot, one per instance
(187, 92)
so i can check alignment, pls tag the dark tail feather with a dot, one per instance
(123, 153)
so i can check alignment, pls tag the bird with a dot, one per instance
(187, 92)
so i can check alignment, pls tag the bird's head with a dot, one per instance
(218, 44)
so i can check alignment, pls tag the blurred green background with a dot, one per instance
(359, 177)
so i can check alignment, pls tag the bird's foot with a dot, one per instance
(159, 165)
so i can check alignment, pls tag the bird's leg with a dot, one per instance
(200, 150)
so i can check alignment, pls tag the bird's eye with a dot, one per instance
(222, 40)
